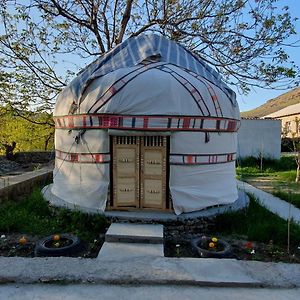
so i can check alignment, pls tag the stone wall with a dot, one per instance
(19, 190)
(35, 157)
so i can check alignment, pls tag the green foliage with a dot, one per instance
(28, 135)
(252, 164)
(34, 216)
(258, 224)
(38, 36)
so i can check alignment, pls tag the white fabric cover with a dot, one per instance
(153, 92)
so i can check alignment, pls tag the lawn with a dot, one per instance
(34, 218)
(254, 233)
(276, 177)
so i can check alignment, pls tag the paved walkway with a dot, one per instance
(137, 292)
(282, 208)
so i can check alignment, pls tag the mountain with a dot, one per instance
(273, 105)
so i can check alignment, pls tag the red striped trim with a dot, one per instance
(186, 122)
(201, 159)
(146, 121)
(153, 123)
(71, 123)
(190, 159)
(211, 91)
(98, 158)
(231, 126)
(84, 121)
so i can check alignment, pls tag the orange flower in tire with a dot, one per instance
(211, 245)
(56, 237)
(22, 240)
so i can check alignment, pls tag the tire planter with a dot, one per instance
(197, 245)
(44, 247)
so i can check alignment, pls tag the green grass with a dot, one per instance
(34, 216)
(258, 224)
(253, 164)
(282, 175)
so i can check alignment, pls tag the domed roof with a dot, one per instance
(147, 74)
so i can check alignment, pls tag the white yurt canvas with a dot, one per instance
(147, 88)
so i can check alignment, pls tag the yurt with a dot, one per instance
(147, 126)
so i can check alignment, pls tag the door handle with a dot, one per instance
(125, 160)
(153, 191)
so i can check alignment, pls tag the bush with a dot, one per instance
(252, 164)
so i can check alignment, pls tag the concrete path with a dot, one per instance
(135, 233)
(131, 241)
(282, 208)
(137, 292)
(150, 270)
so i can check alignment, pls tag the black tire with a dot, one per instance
(41, 248)
(226, 253)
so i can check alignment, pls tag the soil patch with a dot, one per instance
(10, 246)
(174, 247)
(242, 249)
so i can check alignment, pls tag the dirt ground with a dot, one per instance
(10, 245)
(241, 250)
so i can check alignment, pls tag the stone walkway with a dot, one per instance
(282, 208)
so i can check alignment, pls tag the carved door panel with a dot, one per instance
(139, 172)
(153, 172)
(126, 165)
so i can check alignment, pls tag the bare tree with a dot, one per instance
(243, 39)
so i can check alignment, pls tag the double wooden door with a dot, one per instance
(139, 172)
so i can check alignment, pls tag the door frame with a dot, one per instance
(110, 200)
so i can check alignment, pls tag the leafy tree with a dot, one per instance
(243, 39)
(27, 136)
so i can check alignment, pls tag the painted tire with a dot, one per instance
(42, 248)
(226, 253)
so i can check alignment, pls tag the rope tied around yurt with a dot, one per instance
(78, 137)
(207, 137)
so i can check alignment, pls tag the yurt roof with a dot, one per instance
(135, 50)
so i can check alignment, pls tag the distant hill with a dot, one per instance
(273, 105)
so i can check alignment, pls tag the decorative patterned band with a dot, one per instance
(153, 123)
(175, 159)
(201, 159)
(96, 158)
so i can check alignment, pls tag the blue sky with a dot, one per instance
(258, 96)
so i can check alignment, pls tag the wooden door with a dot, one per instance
(139, 172)
(126, 166)
(153, 172)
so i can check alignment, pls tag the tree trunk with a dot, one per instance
(297, 180)
(9, 150)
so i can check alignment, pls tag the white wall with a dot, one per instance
(257, 136)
